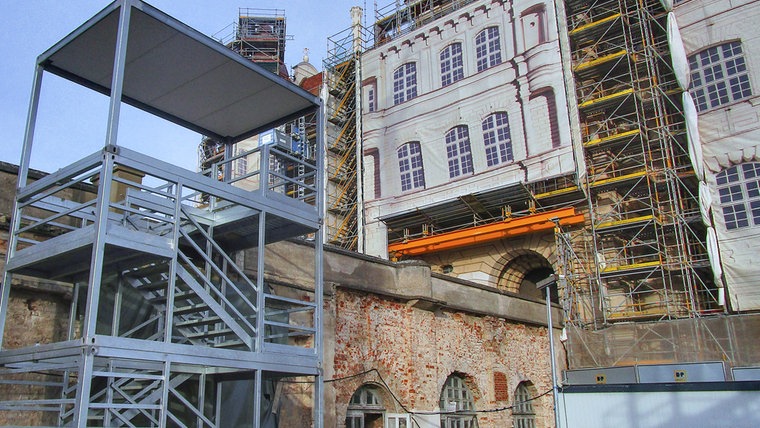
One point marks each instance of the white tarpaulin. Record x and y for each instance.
(692, 134)
(667, 4)
(714, 254)
(705, 202)
(678, 53)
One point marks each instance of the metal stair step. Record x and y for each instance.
(198, 322)
(210, 334)
(191, 309)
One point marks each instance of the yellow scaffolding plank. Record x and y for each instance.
(632, 266)
(610, 138)
(590, 25)
(556, 192)
(605, 98)
(614, 223)
(601, 60)
(619, 178)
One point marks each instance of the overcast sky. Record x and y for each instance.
(72, 119)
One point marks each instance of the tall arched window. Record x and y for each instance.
(739, 191)
(719, 76)
(365, 408)
(498, 142)
(404, 83)
(488, 48)
(457, 405)
(458, 151)
(523, 415)
(452, 66)
(410, 166)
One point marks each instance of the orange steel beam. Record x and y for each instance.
(489, 232)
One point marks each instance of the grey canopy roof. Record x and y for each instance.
(177, 73)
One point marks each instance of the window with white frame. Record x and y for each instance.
(498, 142)
(404, 83)
(488, 48)
(719, 76)
(365, 408)
(458, 151)
(452, 65)
(457, 405)
(371, 99)
(410, 166)
(523, 415)
(739, 191)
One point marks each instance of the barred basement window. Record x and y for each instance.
(457, 405)
(488, 48)
(404, 83)
(739, 190)
(719, 76)
(523, 415)
(458, 151)
(410, 166)
(452, 66)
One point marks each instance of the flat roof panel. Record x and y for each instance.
(178, 73)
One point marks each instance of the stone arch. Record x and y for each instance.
(521, 269)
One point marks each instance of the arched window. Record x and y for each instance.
(410, 166)
(498, 142)
(719, 76)
(458, 151)
(739, 190)
(404, 83)
(452, 66)
(523, 415)
(457, 405)
(488, 48)
(365, 408)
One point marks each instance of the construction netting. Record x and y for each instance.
(732, 339)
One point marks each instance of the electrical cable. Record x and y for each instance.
(413, 413)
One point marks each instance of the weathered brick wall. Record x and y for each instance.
(37, 313)
(415, 350)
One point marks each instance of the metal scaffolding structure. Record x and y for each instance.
(342, 71)
(260, 36)
(168, 327)
(642, 255)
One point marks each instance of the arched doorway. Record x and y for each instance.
(521, 273)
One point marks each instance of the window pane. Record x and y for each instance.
(498, 142)
(458, 151)
(452, 65)
(719, 76)
(410, 166)
(488, 48)
(404, 83)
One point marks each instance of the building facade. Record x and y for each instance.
(724, 61)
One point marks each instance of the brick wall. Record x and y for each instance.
(415, 350)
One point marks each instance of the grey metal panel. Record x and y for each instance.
(179, 74)
(683, 372)
(721, 408)
(746, 373)
(608, 375)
